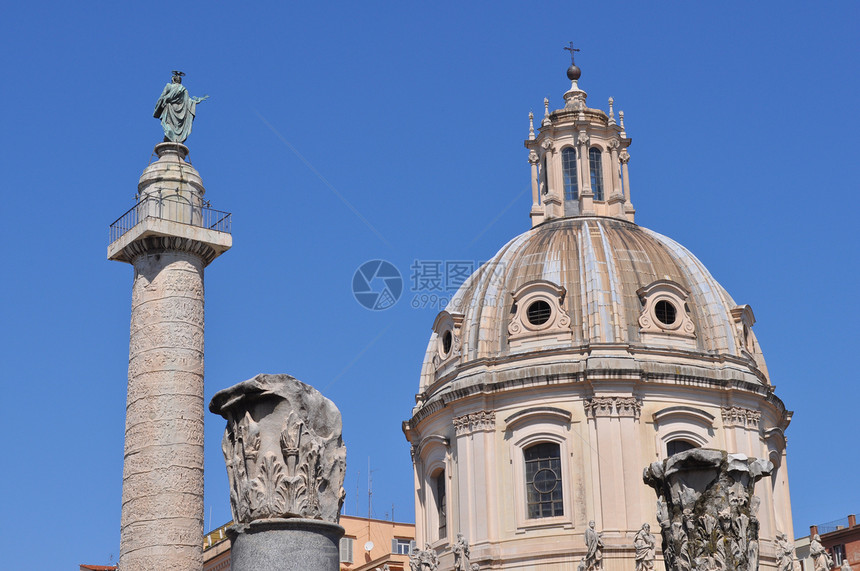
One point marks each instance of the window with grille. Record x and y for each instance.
(538, 312)
(543, 480)
(568, 169)
(665, 312)
(596, 166)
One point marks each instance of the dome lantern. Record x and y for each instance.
(579, 160)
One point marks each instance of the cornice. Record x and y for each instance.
(488, 382)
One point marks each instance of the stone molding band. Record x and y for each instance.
(160, 244)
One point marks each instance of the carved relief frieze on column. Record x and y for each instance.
(615, 407)
(476, 421)
(742, 417)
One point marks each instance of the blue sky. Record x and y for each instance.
(744, 126)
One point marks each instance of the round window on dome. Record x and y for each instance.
(447, 341)
(665, 312)
(538, 312)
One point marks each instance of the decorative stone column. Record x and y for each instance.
(164, 238)
(616, 198)
(624, 158)
(707, 510)
(536, 213)
(554, 204)
(285, 465)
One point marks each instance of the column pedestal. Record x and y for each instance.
(285, 545)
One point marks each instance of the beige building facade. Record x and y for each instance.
(585, 349)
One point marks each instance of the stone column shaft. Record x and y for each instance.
(625, 177)
(162, 493)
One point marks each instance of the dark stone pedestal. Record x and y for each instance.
(285, 545)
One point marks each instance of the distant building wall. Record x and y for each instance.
(841, 538)
(389, 543)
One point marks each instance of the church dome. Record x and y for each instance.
(587, 348)
(574, 287)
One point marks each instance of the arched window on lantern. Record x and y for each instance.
(596, 166)
(568, 169)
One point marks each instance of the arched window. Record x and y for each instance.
(596, 167)
(568, 169)
(543, 480)
(544, 178)
(675, 446)
(439, 497)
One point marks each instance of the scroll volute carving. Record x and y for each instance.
(283, 449)
(707, 510)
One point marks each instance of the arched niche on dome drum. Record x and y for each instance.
(538, 317)
(679, 425)
(540, 438)
(448, 345)
(664, 310)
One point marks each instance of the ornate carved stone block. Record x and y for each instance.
(613, 406)
(743, 417)
(283, 448)
(707, 510)
(482, 420)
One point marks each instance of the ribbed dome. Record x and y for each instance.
(603, 264)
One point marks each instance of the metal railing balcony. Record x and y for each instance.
(173, 209)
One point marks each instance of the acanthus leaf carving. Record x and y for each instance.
(290, 461)
(706, 509)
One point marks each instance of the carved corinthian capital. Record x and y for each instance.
(738, 416)
(481, 420)
(707, 510)
(283, 448)
(613, 406)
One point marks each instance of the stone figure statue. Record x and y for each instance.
(461, 554)
(176, 109)
(283, 449)
(845, 565)
(707, 510)
(820, 558)
(645, 545)
(784, 553)
(424, 560)
(593, 560)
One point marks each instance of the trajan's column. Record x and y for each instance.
(169, 237)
